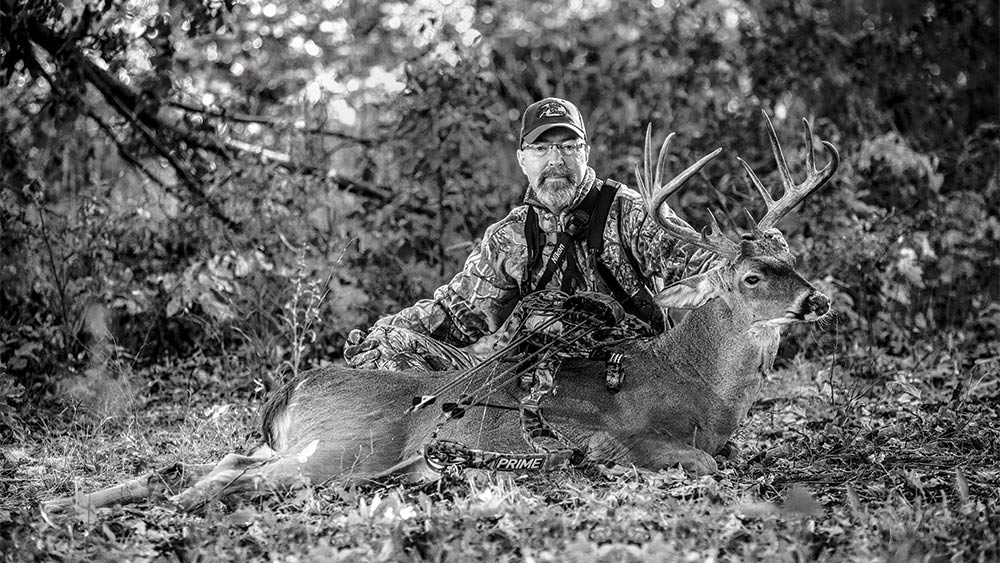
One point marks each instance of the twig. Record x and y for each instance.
(132, 107)
(190, 182)
(59, 280)
(289, 164)
(127, 104)
(275, 122)
(127, 154)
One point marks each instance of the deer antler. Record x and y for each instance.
(793, 193)
(654, 194)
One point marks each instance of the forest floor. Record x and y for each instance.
(889, 460)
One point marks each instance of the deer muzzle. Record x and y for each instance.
(811, 307)
(816, 305)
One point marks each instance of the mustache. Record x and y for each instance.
(557, 172)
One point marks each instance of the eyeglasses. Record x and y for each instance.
(566, 149)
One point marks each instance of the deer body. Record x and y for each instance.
(683, 397)
(687, 389)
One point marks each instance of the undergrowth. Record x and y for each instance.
(894, 462)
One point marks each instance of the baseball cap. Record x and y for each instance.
(548, 114)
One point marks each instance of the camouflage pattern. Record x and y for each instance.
(401, 349)
(482, 296)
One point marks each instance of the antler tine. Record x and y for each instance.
(650, 183)
(661, 163)
(810, 152)
(654, 176)
(690, 171)
(786, 177)
(753, 222)
(655, 194)
(647, 156)
(766, 195)
(793, 193)
(716, 229)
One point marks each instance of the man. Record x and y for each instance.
(566, 236)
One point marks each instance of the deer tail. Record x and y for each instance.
(274, 419)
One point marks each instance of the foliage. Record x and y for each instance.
(242, 183)
(898, 465)
(199, 132)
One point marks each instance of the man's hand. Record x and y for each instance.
(468, 320)
(595, 308)
(361, 352)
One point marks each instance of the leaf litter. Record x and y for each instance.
(893, 464)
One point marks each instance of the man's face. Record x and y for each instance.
(552, 175)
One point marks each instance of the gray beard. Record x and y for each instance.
(555, 193)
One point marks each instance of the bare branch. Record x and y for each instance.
(274, 122)
(289, 164)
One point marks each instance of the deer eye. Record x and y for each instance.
(751, 280)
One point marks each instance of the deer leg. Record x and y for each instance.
(651, 451)
(265, 470)
(661, 452)
(613, 471)
(691, 459)
(153, 485)
(411, 470)
(234, 474)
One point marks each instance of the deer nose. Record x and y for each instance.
(818, 303)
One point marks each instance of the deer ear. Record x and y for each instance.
(690, 293)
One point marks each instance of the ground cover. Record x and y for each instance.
(890, 460)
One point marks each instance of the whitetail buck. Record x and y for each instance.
(684, 394)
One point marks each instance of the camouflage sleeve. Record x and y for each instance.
(658, 253)
(479, 298)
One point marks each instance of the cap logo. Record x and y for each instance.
(551, 109)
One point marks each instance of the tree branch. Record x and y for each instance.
(127, 154)
(130, 106)
(144, 119)
(287, 163)
(274, 122)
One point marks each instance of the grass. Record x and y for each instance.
(887, 462)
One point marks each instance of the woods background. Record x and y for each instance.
(183, 180)
(199, 198)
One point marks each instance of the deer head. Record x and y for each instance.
(757, 274)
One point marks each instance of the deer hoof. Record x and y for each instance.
(692, 460)
(730, 451)
(65, 509)
(700, 463)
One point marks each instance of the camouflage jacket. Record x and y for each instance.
(489, 285)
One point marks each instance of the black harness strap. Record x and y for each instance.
(599, 217)
(532, 239)
(640, 303)
(596, 243)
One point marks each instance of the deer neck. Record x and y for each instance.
(717, 348)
